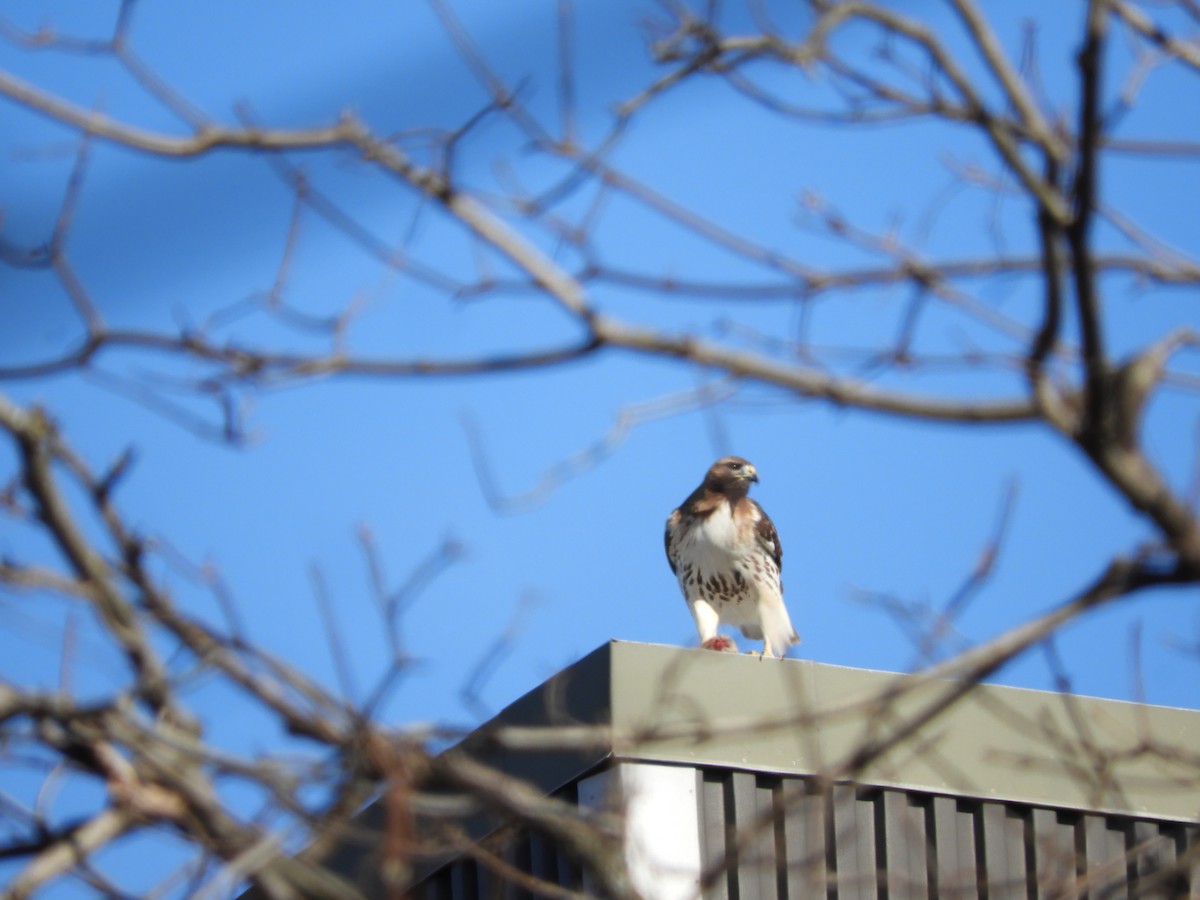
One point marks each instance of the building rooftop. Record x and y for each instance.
(741, 777)
(795, 717)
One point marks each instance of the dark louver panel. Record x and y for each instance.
(768, 837)
(776, 837)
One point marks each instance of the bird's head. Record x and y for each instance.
(731, 475)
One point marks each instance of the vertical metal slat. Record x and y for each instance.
(597, 792)
(954, 850)
(1054, 855)
(518, 857)
(437, 886)
(1192, 852)
(711, 793)
(1003, 852)
(1104, 851)
(1175, 880)
(463, 885)
(543, 861)
(765, 825)
(570, 874)
(854, 844)
(485, 883)
(762, 853)
(804, 840)
(1153, 851)
(754, 872)
(907, 867)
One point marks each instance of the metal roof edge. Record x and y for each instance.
(578, 696)
(1067, 751)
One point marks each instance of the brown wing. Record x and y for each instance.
(768, 537)
(673, 521)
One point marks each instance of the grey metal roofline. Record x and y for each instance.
(795, 717)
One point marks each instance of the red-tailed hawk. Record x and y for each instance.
(726, 553)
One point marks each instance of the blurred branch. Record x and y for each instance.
(1078, 232)
(808, 382)
(1186, 52)
(1120, 578)
(35, 437)
(69, 850)
(578, 464)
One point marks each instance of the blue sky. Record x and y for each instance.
(863, 503)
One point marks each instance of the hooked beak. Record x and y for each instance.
(750, 474)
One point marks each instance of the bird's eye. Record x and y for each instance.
(735, 466)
